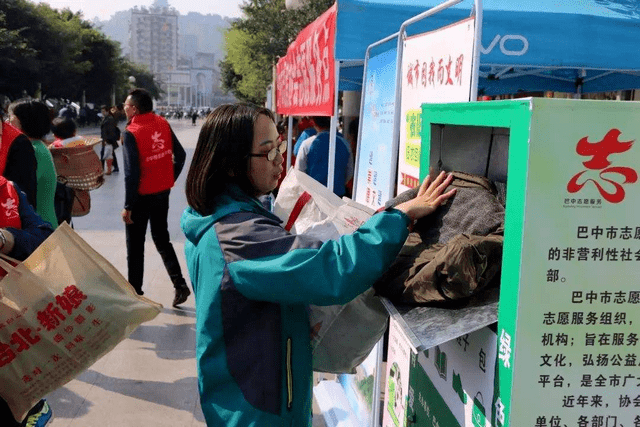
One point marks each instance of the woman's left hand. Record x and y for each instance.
(430, 196)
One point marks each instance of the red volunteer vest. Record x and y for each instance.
(155, 150)
(9, 134)
(9, 202)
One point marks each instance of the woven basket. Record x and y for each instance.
(79, 167)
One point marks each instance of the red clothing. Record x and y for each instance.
(9, 134)
(155, 148)
(304, 123)
(9, 203)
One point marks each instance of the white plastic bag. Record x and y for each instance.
(342, 336)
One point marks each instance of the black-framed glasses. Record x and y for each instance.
(271, 155)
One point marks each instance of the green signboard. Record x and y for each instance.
(567, 351)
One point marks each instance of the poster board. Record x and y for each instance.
(566, 339)
(374, 182)
(436, 67)
(453, 383)
(359, 388)
(396, 394)
(579, 285)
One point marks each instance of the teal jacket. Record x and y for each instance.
(253, 281)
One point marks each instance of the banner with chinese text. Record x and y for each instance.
(436, 67)
(373, 184)
(305, 81)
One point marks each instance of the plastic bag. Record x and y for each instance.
(61, 310)
(342, 336)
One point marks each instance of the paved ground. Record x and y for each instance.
(150, 378)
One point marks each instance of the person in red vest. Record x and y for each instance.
(21, 232)
(18, 159)
(153, 159)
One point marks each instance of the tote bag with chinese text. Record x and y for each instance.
(61, 310)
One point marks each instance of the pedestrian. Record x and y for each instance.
(313, 157)
(64, 132)
(110, 134)
(21, 232)
(194, 117)
(153, 159)
(253, 280)
(117, 111)
(34, 119)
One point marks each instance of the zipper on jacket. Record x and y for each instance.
(289, 376)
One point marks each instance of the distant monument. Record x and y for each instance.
(160, 3)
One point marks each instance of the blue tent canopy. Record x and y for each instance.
(565, 46)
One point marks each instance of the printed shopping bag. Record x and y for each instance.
(342, 336)
(60, 311)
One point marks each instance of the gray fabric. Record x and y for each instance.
(241, 236)
(474, 209)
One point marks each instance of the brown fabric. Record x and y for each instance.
(452, 254)
(462, 267)
(81, 203)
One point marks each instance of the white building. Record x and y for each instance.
(153, 38)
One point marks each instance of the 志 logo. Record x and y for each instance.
(158, 142)
(10, 208)
(615, 176)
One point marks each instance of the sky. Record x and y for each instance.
(103, 9)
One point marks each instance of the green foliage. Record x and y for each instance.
(366, 389)
(256, 41)
(58, 54)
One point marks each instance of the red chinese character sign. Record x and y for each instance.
(578, 292)
(436, 67)
(600, 163)
(305, 82)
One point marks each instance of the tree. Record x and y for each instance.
(242, 55)
(255, 42)
(60, 55)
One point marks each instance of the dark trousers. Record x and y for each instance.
(6, 417)
(152, 209)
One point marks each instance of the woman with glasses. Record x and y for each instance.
(253, 280)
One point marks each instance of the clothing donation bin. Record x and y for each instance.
(564, 350)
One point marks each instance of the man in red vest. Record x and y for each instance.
(153, 159)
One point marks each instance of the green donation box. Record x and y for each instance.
(565, 348)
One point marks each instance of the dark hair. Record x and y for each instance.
(221, 154)
(63, 127)
(323, 122)
(353, 127)
(142, 100)
(34, 116)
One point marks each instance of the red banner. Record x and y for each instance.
(305, 81)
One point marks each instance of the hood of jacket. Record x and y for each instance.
(232, 200)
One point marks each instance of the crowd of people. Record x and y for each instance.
(242, 263)
(153, 158)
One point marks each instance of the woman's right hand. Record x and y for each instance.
(430, 196)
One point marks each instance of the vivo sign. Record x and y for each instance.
(511, 45)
